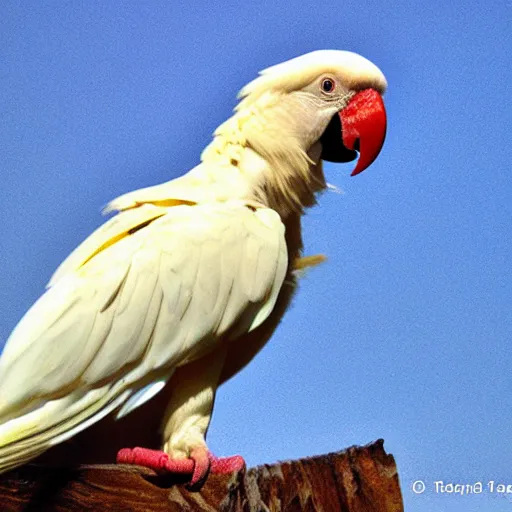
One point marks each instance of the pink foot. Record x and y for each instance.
(199, 465)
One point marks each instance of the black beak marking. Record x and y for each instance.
(333, 149)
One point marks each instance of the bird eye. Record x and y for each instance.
(328, 85)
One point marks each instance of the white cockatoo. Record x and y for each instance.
(184, 285)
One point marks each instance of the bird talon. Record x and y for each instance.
(202, 465)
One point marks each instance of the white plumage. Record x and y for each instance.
(183, 273)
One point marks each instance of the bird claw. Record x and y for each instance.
(200, 463)
(202, 467)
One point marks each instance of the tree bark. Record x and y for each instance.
(358, 479)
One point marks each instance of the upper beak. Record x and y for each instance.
(363, 125)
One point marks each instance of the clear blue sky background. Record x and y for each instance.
(406, 332)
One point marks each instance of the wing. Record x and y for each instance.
(131, 308)
(114, 230)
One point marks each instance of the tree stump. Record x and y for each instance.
(358, 479)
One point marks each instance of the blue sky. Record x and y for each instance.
(405, 333)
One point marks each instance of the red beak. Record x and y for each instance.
(363, 120)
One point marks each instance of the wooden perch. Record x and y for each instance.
(358, 479)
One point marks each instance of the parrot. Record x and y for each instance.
(185, 283)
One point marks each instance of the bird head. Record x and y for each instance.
(328, 96)
(325, 105)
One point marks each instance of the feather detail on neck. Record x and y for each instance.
(262, 141)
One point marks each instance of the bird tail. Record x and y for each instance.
(28, 436)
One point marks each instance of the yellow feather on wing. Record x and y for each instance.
(115, 229)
